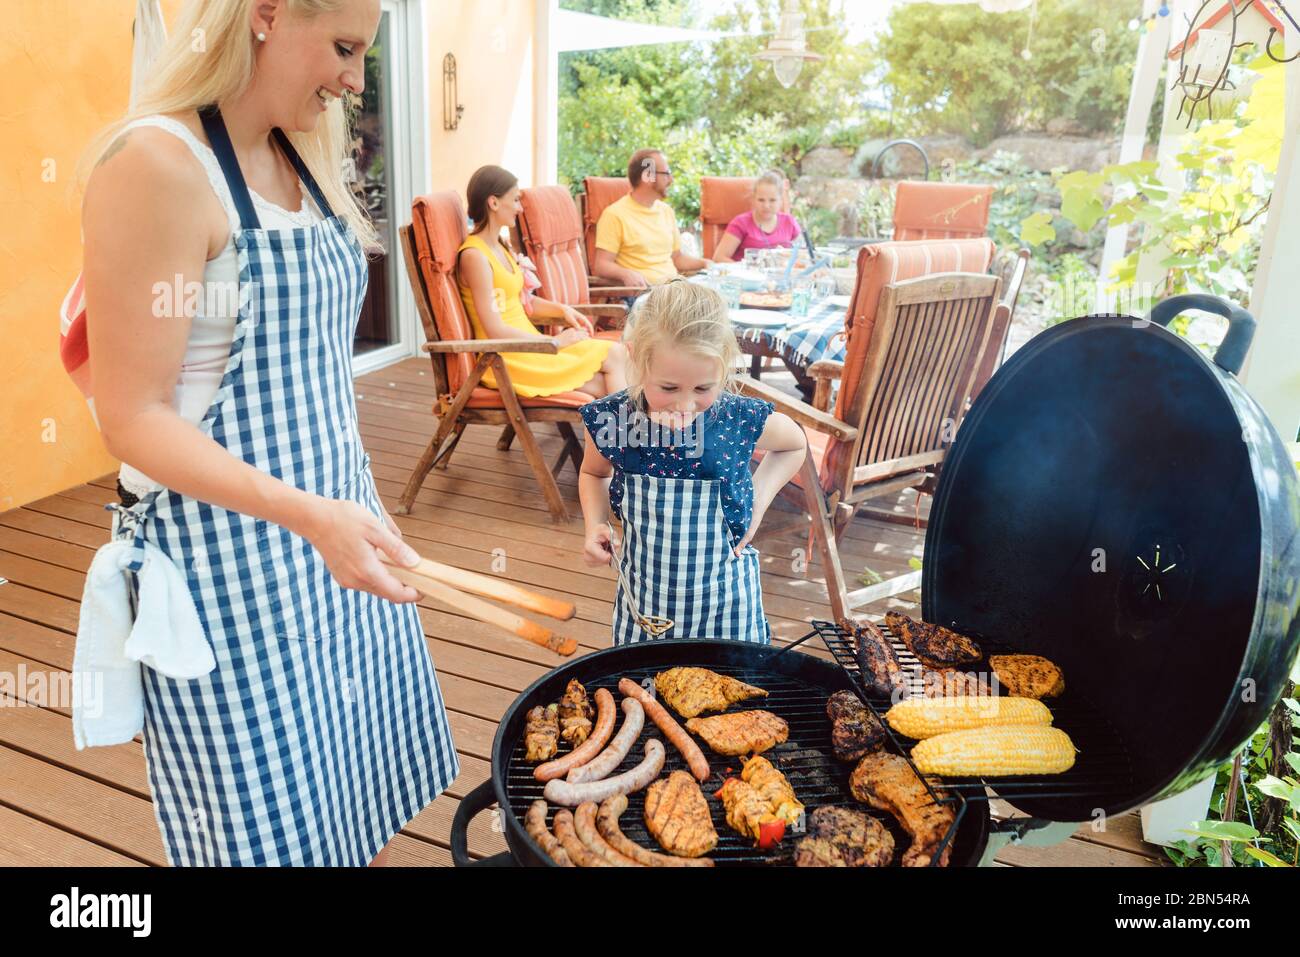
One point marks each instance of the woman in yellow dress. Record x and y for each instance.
(491, 280)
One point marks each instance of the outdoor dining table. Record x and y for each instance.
(798, 341)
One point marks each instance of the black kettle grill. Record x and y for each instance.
(1113, 501)
(1118, 503)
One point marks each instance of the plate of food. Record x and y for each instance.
(766, 300)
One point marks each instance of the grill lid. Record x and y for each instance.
(1117, 503)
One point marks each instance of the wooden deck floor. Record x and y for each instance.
(59, 806)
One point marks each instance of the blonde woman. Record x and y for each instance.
(321, 730)
(670, 457)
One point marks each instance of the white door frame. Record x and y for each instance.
(407, 73)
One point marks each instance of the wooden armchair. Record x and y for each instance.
(916, 342)
(925, 210)
(722, 199)
(430, 243)
(1002, 317)
(597, 193)
(550, 231)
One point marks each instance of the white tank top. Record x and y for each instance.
(208, 346)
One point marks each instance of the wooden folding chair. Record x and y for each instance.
(597, 193)
(550, 231)
(430, 243)
(917, 340)
(925, 210)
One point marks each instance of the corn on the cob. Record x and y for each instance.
(926, 717)
(996, 752)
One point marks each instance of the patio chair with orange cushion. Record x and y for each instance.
(722, 199)
(429, 244)
(919, 325)
(924, 210)
(550, 231)
(597, 193)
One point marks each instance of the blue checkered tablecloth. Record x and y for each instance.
(805, 340)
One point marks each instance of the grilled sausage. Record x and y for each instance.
(535, 824)
(571, 795)
(673, 731)
(609, 759)
(589, 748)
(607, 824)
(584, 822)
(574, 847)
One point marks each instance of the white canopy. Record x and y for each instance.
(585, 31)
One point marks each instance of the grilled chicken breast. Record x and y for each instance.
(934, 646)
(1028, 676)
(855, 731)
(740, 732)
(844, 837)
(576, 713)
(541, 733)
(761, 795)
(677, 814)
(877, 661)
(690, 691)
(888, 783)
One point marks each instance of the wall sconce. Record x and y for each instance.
(451, 108)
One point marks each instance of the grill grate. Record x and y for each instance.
(1102, 766)
(806, 759)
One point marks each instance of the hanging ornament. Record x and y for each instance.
(1204, 58)
(1133, 24)
(1151, 25)
(1164, 10)
(1025, 54)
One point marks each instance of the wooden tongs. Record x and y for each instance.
(448, 585)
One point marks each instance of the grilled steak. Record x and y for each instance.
(740, 732)
(934, 646)
(877, 661)
(854, 729)
(690, 691)
(954, 684)
(677, 814)
(576, 713)
(844, 837)
(541, 733)
(888, 783)
(1028, 676)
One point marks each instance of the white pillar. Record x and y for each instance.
(1172, 130)
(1153, 48)
(1272, 370)
(546, 95)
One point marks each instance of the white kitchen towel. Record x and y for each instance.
(166, 635)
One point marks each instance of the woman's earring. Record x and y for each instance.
(261, 37)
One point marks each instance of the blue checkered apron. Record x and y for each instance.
(321, 732)
(678, 556)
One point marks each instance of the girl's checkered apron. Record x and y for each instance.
(679, 558)
(321, 732)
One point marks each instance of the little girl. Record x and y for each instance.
(669, 455)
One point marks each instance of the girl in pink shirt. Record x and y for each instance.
(763, 227)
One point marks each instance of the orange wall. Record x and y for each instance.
(492, 41)
(67, 67)
(67, 70)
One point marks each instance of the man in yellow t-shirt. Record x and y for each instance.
(637, 241)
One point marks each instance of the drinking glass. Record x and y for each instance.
(730, 288)
(799, 298)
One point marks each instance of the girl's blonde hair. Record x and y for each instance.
(679, 315)
(209, 59)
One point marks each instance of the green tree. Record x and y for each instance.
(961, 70)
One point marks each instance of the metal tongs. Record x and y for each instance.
(652, 625)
